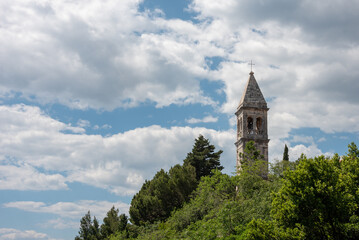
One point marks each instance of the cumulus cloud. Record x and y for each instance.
(305, 53)
(37, 148)
(105, 126)
(99, 55)
(303, 139)
(305, 60)
(322, 21)
(15, 234)
(206, 119)
(83, 123)
(105, 55)
(26, 177)
(60, 223)
(310, 149)
(72, 210)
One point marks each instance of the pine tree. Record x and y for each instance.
(95, 230)
(203, 157)
(285, 153)
(89, 230)
(111, 223)
(123, 222)
(85, 227)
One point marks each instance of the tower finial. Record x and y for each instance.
(251, 67)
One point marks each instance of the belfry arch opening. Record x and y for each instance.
(250, 124)
(259, 125)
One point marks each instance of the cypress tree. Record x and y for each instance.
(285, 153)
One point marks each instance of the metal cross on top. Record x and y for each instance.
(251, 65)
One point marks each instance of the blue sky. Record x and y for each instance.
(96, 96)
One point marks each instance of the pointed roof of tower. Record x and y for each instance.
(252, 95)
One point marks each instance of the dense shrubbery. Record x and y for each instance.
(314, 198)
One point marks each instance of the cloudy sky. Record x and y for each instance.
(96, 96)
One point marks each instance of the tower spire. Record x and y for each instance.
(252, 94)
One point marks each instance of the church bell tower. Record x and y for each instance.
(252, 124)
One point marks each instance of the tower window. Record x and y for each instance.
(259, 125)
(250, 123)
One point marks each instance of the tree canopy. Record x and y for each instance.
(312, 198)
(165, 192)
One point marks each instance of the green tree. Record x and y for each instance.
(123, 222)
(211, 192)
(259, 229)
(182, 182)
(161, 195)
(285, 153)
(314, 196)
(350, 168)
(353, 150)
(147, 205)
(111, 223)
(203, 158)
(95, 229)
(89, 230)
(252, 162)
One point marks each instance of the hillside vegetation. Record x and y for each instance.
(311, 198)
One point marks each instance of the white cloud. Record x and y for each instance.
(308, 79)
(26, 177)
(119, 57)
(276, 149)
(83, 123)
(70, 210)
(15, 234)
(33, 145)
(80, 56)
(35, 148)
(303, 139)
(60, 223)
(206, 119)
(321, 19)
(310, 151)
(105, 126)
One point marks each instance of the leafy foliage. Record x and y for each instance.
(259, 229)
(165, 192)
(315, 198)
(252, 162)
(168, 191)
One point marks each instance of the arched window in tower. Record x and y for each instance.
(259, 124)
(239, 124)
(250, 125)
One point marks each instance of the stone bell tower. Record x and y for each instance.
(252, 124)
